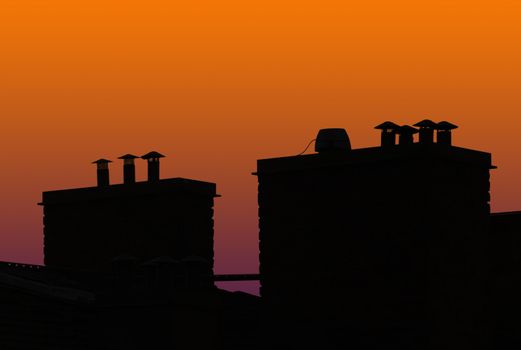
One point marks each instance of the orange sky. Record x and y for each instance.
(215, 85)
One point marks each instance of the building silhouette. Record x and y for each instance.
(160, 304)
(388, 247)
(505, 279)
(127, 266)
(85, 228)
(389, 242)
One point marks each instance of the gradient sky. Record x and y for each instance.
(215, 85)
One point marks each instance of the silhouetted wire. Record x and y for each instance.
(305, 149)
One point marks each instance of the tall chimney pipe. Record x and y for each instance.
(406, 133)
(445, 133)
(129, 168)
(426, 131)
(102, 172)
(389, 130)
(152, 159)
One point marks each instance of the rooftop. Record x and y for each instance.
(144, 188)
(394, 154)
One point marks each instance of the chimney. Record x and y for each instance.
(152, 159)
(426, 131)
(445, 133)
(406, 134)
(389, 130)
(333, 139)
(102, 171)
(129, 168)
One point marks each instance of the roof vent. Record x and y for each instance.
(406, 133)
(102, 171)
(445, 133)
(129, 168)
(152, 159)
(389, 131)
(427, 128)
(331, 140)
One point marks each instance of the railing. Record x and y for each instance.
(217, 278)
(21, 266)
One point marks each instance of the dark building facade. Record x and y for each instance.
(389, 242)
(505, 279)
(86, 228)
(159, 304)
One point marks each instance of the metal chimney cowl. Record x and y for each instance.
(102, 172)
(389, 132)
(152, 159)
(129, 168)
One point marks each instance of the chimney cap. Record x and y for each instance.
(427, 123)
(406, 129)
(102, 161)
(128, 156)
(444, 125)
(152, 155)
(387, 125)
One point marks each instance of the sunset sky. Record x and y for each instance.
(216, 85)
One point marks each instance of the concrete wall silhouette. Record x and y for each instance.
(86, 228)
(388, 242)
